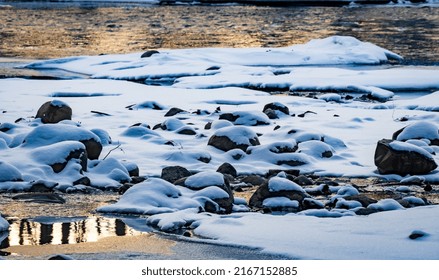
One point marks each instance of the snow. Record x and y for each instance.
(239, 135)
(277, 202)
(383, 235)
(204, 179)
(4, 225)
(349, 129)
(419, 130)
(56, 153)
(277, 184)
(386, 205)
(403, 146)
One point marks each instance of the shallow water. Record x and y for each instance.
(49, 30)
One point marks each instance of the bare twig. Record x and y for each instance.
(109, 152)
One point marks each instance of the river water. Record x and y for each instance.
(41, 29)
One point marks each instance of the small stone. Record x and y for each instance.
(416, 234)
(303, 180)
(174, 111)
(149, 53)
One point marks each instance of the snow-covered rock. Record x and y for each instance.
(396, 157)
(419, 130)
(246, 118)
(236, 137)
(281, 189)
(9, 173)
(48, 134)
(54, 111)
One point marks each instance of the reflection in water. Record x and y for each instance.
(59, 32)
(40, 231)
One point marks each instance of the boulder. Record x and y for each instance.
(277, 187)
(229, 138)
(227, 168)
(174, 173)
(248, 118)
(396, 157)
(206, 184)
(58, 155)
(418, 130)
(272, 109)
(48, 134)
(54, 111)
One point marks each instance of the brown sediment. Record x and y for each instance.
(146, 243)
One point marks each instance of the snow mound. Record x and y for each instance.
(4, 225)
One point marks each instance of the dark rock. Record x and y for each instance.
(137, 179)
(229, 117)
(60, 257)
(204, 159)
(364, 200)
(208, 126)
(82, 181)
(254, 180)
(302, 180)
(124, 188)
(401, 162)
(271, 114)
(307, 112)
(274, 172)
(291, 162)
(93, 147)
(212, 68)
(225, 143)
(149, 53)
(40, 198)
(42, 186)
(416, 234)
(309, 203)
(186, 131)
(366, 211)
(174, 111)
(276, 106)
(428, 188)
(54, 112)
(174, 173)
(227, 168)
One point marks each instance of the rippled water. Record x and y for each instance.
(57, 31)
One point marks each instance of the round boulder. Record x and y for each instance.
(54, 111)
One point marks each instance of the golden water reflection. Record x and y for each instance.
(43, 33)
(55, 231)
